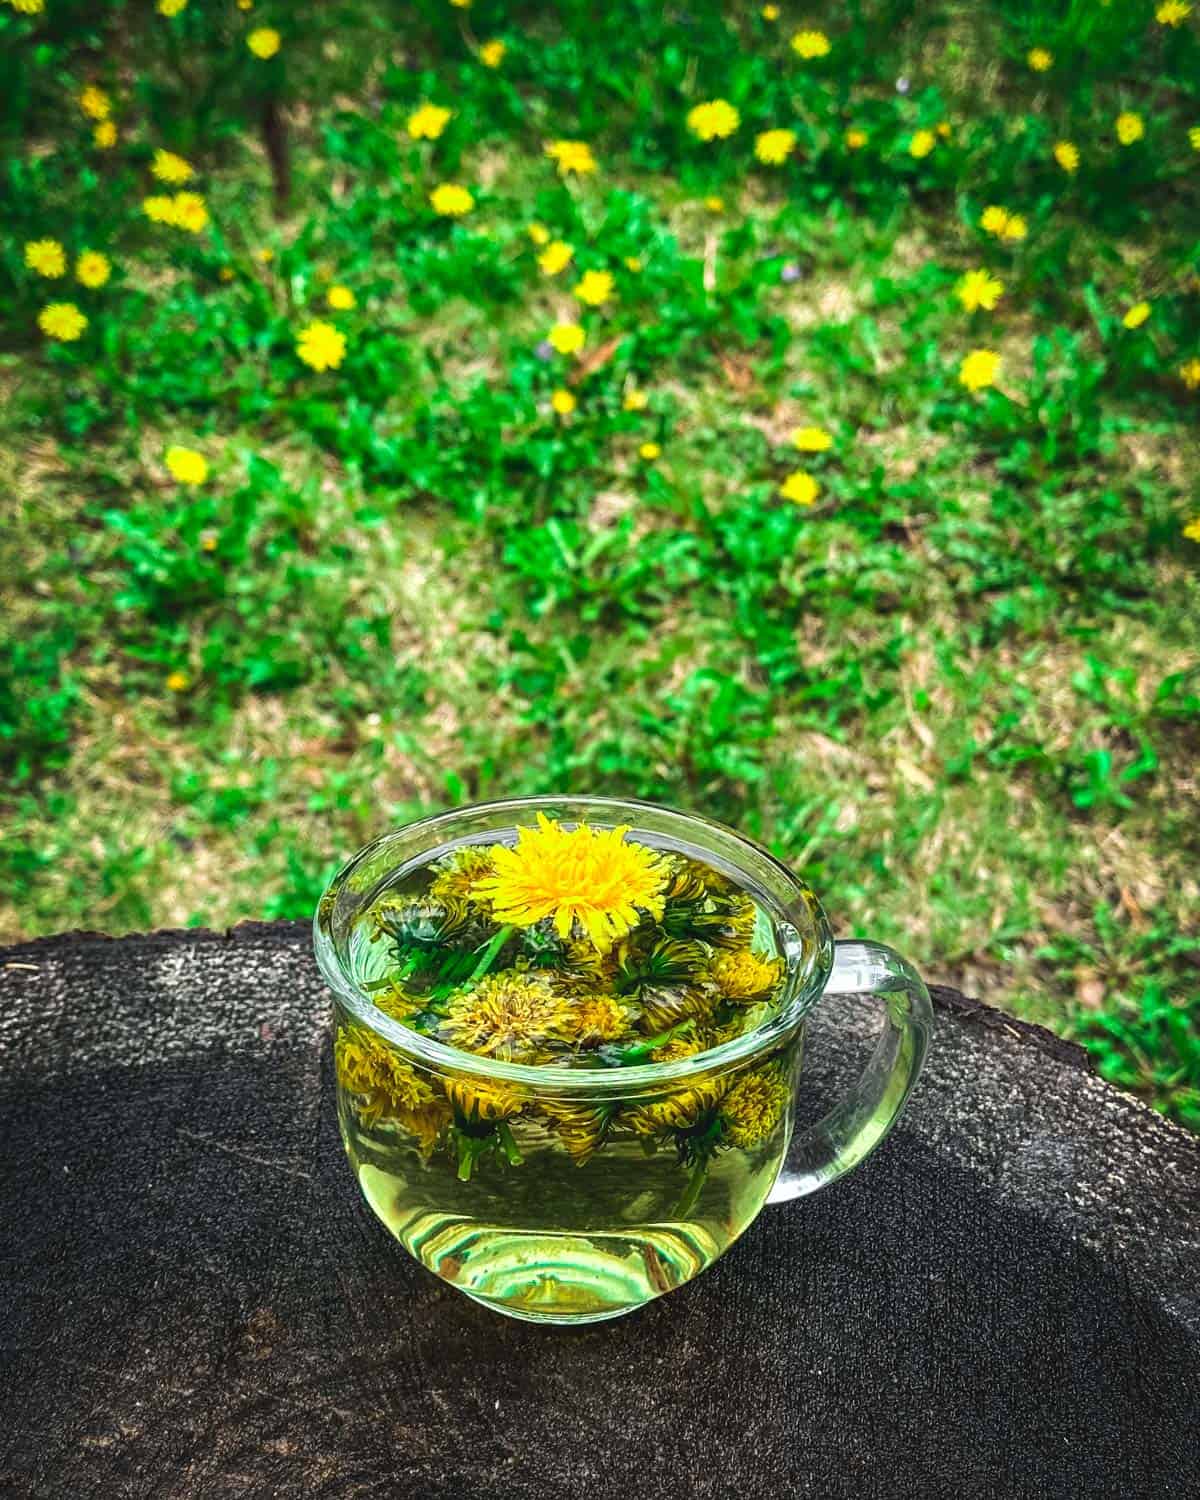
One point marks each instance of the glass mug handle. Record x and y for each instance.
(855, 1125)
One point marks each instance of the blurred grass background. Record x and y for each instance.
(960, 693)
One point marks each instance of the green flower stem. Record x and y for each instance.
(488, 957)
(640, 1051)
(695, 1185)
(508, 1145)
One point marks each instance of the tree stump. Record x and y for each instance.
(1003, 1302)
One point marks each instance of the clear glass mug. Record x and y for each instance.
(545, 1192)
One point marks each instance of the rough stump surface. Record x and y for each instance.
(1003, 1302)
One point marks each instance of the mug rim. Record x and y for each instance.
(804, 981)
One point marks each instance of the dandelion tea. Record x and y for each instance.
(580, 948)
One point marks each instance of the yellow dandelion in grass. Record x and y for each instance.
(563, 402)
(715, 119)
(168, 167)
(264, 42)
(95, 103)
(1016, 228)
(186, 466)
(754, 1106)
(594, 288)
(28, 7)
(461, 4)
(1039, 59)
(177, 682)
(62, 321)
(979, 369)
(634, 263)
(190, 212)
(922, 143)
(770, 12)
(513, 1016)
(46, 257)
(1066, 154)
(555, 257)
(321, 346)
(159, 208)
(538, 233)
(589, 876)
(1129, 128)
(105, 135)
(1172, 13)
(855, 139)
(171, 7)
(1189, 373)
(1194, 137)
(92, 269)
(649, 452)
(773, 147)
(943, 130)
(800, 488)
(571, 156)
(742, 975)
(1192, 530)
(635, 400)
(264, 255)
(979, 289)
(491, 54)
(428, 122)
(340, 298)
(1136, 315)
(715, 203)
(810, 44)
(245, 4)
(451, 200)
(567, 338)
(994, 219)
(812, 440)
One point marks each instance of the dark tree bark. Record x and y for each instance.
(1003, 1302)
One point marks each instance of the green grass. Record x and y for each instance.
(960, 693)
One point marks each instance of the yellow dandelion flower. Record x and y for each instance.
(594, 288)
(1066, 154)
(321, 346)
(922, 143)
(63, 321)
(461, 4)
(812, 440)
(754, 1106)
(635, 400)
(770, 12)
(264, 255)
(1129, 128)
(979, 289)
(171, 7)
(634, 263)
(92, 269)
(177, 682)
(513, 1016)
(340, 298)
(571, 156)
(1040, 60)
(189, 212)
(159, 208)
(855, 139)
(264, 42)
(451, 200)
(168, 167)
(95, 103)
(1189, 373)
(810, 44)
(28, 7)
(478, 1099)
(993, 220)
(742, 975)
(186, 466)
(567, 338)
(1015, 228)
(713, 120)
(539, 234)
(979, 369)
(773, 147)
(428, 122)
(555, 257)
(585, 875)
(46, 257)
(563, 402)
(650, 451)
(1194, 137)
(458, 878)
(600, 1018)
(385, 1085)
(491, 54)
(800, 487)
(943, 130)
(105, 135)
(715, 203)
(1136, 315)
(1172, 13)
(1192, 530)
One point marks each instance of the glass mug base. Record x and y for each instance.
(573, 1194)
